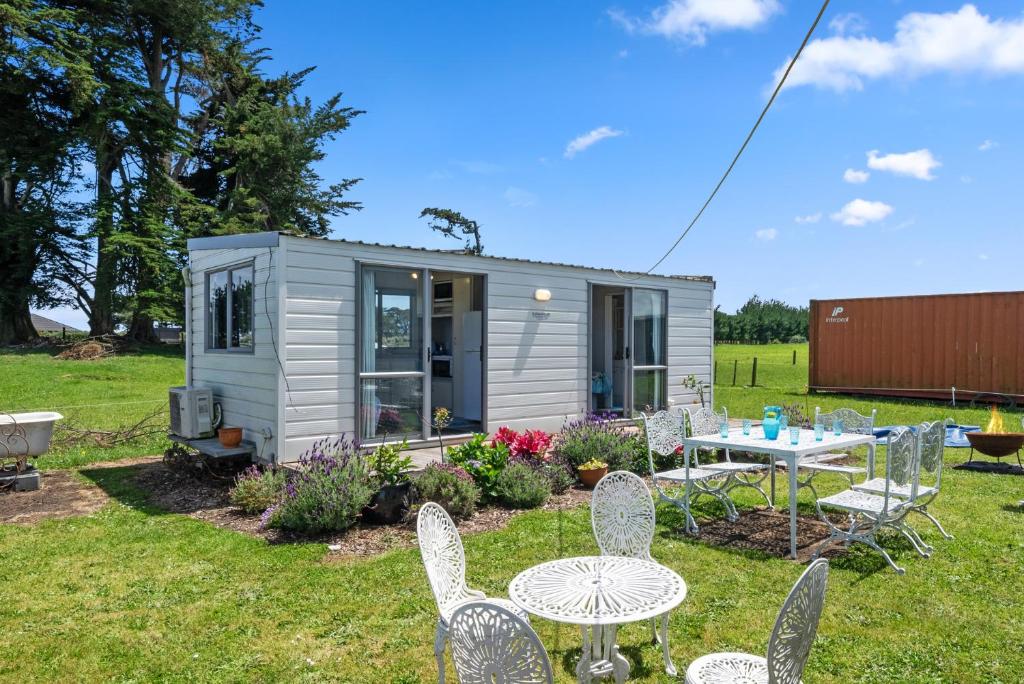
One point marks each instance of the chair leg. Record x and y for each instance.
(670, 667)
(440, 637)
(911, 536)
(925, 513)
(870, 541)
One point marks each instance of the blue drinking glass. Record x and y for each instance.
(819, 432)
(837, 427)
(723, 429)
(783, 421)
(746, 426)
(794, 435)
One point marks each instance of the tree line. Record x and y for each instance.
(130, 126)
(762, 321)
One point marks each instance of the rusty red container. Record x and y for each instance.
(919, 346)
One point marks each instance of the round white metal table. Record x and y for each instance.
(599, 593)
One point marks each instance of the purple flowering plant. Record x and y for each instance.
(331, 487)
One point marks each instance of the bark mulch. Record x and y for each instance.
(63, 495)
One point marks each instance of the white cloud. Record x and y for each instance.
(856, 176)
(966, 180)
(983, 256)
(582, 142)
(860, 212)
(623, 54)
(918, 164)
(766, 234)
(964, 41)
(845, 24)
(810, 218)
(693, 20)
(987, 145)
(518, 197)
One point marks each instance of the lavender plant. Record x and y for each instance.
(598, 436)
(450, 486)
(257, 490)
(331, 487)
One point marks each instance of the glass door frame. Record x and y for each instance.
(631, 357)
(628, 400)
(426, 293)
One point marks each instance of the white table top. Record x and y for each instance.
(597, 590)
(757, 443)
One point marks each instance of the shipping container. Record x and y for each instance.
(920, 346)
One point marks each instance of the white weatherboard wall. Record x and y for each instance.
(537, 354)
(537, 366)
(244, 384)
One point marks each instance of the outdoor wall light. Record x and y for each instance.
(542, 295)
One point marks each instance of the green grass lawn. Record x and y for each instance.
(133, 594)
(105, 394)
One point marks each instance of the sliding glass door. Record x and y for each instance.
(650, 356)
(392, 378)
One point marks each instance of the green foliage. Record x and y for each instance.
(560, 476)
(483, 460)
(327, 494)
(449, 486)
(521, 486)
(389, 466)
(600, 438)
(257, 490)
(762, 321)
(449, 222)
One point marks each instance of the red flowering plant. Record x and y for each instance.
(532, 444)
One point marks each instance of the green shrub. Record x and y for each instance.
(388, 464)
(560, 475)
(449, 486)
(482, 460)
(257, 490)
(330, 489)
(600, 437)
(521, 486)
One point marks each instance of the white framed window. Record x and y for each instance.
(230, 308)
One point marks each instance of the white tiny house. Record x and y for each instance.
(302, 339)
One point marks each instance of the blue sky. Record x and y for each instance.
(474, 106)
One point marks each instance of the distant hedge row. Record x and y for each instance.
(762, 321)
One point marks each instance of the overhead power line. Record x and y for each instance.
(746, 142)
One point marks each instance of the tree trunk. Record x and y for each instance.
(101, 317)
(16, 322)
(141, 329)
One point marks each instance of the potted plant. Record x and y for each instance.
(229, 437)
(591, 472)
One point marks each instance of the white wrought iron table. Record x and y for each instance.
(781, 449)
(599, 593)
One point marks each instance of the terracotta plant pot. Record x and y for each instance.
(229, 437)
(590, 478)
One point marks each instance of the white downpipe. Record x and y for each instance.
(186, 273)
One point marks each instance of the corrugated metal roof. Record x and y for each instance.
(698, 278)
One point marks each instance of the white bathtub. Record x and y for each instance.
(38, 428)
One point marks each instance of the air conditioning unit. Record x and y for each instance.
(191, 412)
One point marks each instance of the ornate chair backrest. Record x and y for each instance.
(493, 645)
(622, 514)
(794, 631)
(853, 422)
(902, 465)
(664, 435)
(704, 421)
(931, 442)
(443, 555)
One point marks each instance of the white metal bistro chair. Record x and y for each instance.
(853, 423)
(704, 421)
(869, 513)
(623, 518)
(665, 438)
(445, 562)
(788, 647)
(931, 441)
(493, 645)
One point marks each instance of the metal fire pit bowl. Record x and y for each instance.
(996, 444)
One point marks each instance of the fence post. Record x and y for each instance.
(735, 367)
(714, 378)
(794, 357)
(753, 374)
